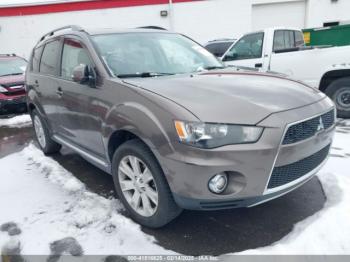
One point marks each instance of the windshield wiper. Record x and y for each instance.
(214, 67)
(13, 74)
(144, 74)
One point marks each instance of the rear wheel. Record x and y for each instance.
(47, 145)
(141, 185)
(339, 91)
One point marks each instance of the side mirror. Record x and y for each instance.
(85, 75)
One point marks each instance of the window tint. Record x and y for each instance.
(248, 47)
(218, 49)
(48, 61)
(73, 55)
(285, 39)
(36, 58)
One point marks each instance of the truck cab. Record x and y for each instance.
(254, 49)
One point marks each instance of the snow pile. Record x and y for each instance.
(49, 204)
(328, 231)
(17, 121)
(47, 209)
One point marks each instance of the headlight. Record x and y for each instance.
(3, 89)
(207, 135)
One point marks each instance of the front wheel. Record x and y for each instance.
(141, 185)
(339, 92)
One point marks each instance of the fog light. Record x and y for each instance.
(218, 183)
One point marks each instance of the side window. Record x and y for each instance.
(285, 39)
(48, 63)
(74, 54)
(218, 49)
(36, 59)
(299, 38)
(248, 47)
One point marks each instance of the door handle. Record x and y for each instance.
(59, 92)
(258, 65)
(36, 83)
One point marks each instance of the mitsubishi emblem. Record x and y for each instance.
(320, 126)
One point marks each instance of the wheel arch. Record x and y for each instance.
(331, 76)
(135, 121)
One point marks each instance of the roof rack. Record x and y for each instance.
(152, 27)
(51, 33)
(8, 54)
(223, 39)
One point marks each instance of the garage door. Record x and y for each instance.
(290, 14)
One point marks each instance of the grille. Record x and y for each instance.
(308, 128)
(286, 174)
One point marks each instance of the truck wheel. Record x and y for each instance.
(47, 145)
(141, 185)
(339, 92)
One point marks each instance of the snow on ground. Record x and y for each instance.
(17, 121)
(327, 231)
(49, 204)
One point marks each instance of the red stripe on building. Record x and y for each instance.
(79, 6)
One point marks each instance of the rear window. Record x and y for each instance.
(48, 63)
(286, 39)
(218, 49)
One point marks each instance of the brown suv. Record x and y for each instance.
(173, 126)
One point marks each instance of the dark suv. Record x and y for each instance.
(12, 93)
(173, 126)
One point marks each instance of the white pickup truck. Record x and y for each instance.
(282, 50)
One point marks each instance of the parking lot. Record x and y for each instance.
(65, 189)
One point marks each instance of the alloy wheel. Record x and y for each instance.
(39, 131)
(138, 186)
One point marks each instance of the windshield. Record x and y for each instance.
(153, 54)
(10, 66)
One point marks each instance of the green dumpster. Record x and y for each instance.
(332, 35)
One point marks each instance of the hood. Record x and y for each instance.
(14, 84)
(231, 97)
(9, 80)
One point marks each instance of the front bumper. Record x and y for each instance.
(11, 105)
(250, 166)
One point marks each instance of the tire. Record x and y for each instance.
(42, 135)
(339, 92)
(150, 214)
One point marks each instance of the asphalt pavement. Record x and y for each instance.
(193, 232)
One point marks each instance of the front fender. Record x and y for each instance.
(156, 131)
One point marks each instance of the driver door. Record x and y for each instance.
(247, 52)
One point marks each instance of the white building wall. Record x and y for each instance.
(213, 19)
(202, 21)
(321, 11)
(285, 14)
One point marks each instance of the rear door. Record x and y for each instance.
(80, 121)
(45, 81)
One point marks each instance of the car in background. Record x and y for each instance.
(219, 47)
(12, 92)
